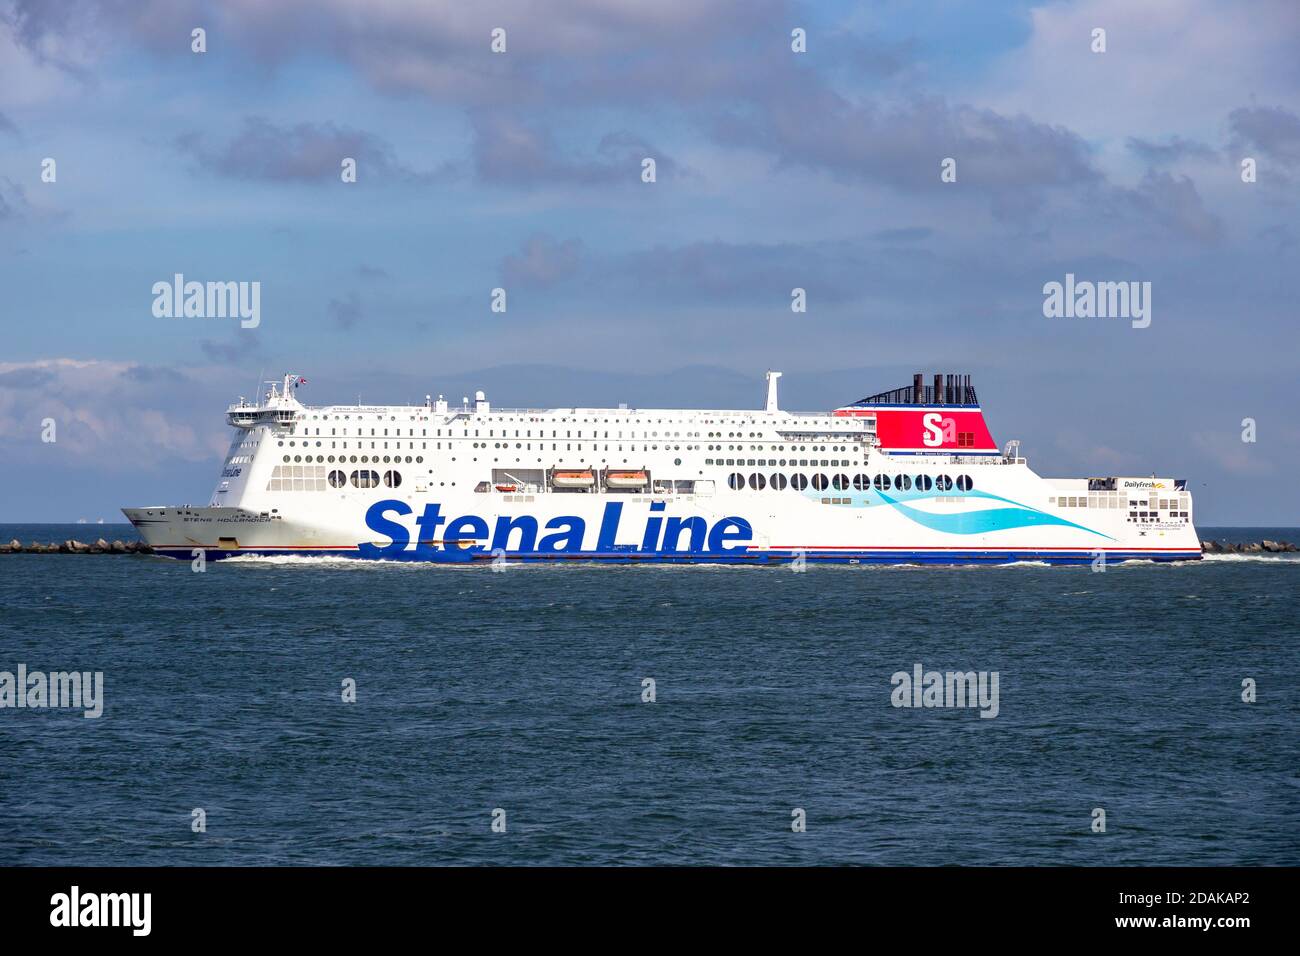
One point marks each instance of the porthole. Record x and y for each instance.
(736, 481)
(862, 482)
(757, 482)
(798, 482)
(778, 482)
(392, 479)
(963, 483)
(924, 483)
(882, 482)
(364, 478)
(840, 482)
(943, 483)
(820, 482)
(338, 479)
(902, 483)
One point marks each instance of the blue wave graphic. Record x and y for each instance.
(981, 522)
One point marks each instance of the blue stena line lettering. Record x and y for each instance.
(561, 535)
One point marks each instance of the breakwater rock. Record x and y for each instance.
(72, 546)
(1247, 547)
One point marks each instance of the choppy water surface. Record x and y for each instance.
(522, 690)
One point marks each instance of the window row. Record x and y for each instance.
(316, 478)
(364, 478)
(841, 482)
(774, 462)
(364, 459)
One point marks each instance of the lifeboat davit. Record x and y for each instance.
(626, 479)
(573, 479)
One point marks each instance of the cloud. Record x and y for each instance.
(904, 234)
(29, 377)
(715, 271)
(1170, 66)
(903, 145)
(435, 48)
(108, 412)
(542, 261)
(371, 272)
(303, 152)
(13, 200)
(155, 375)
(346, 312)
(1271, 131)
(1279, 236)
(510, 152)
(1172, 150)
(238, 348)
(1173, 203)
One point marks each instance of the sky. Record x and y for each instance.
(774, 169)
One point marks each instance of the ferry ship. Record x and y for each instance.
(906, 476)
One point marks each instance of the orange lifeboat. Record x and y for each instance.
(573, 479)
(626, 479)
(506, 488)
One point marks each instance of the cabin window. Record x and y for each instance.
(364, 478)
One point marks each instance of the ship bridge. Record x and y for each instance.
(279, 406)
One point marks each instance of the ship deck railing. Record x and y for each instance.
(986, 460)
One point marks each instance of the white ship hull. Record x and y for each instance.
(734, 487)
